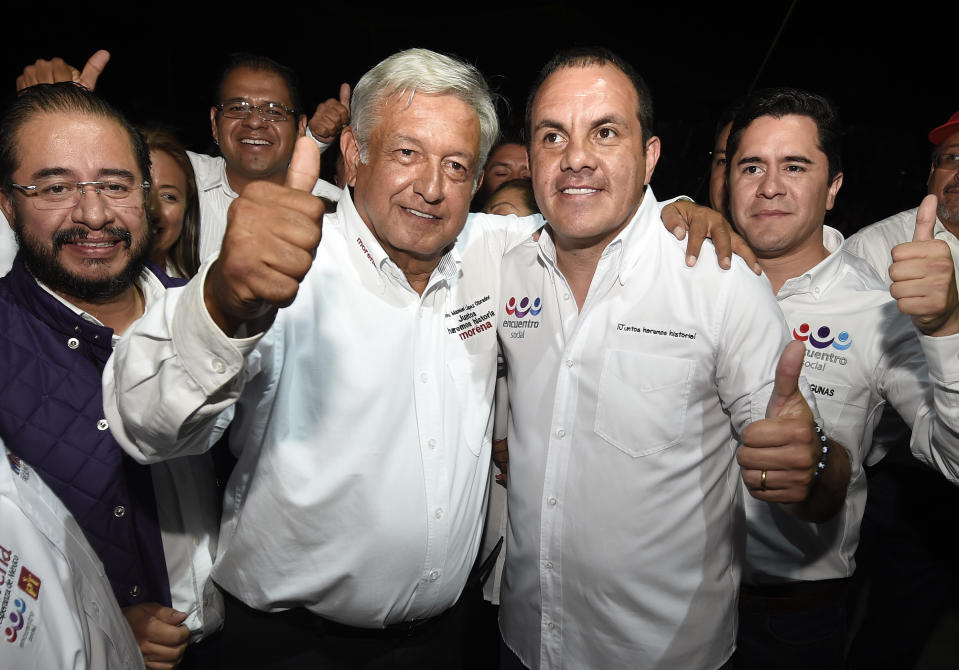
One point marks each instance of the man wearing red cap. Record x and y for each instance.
(909, 561)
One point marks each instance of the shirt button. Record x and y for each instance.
(566, 296)
(119, 511)
(134, 591)
(434, 575)
(73, 343)
(438, 513)
(561, 433)
(549, 565)
(423, 377)
(431, 444)
(551, 501)
(102, 424)
(95, 608)
(550, 625)
(218, 365)
(569, 363)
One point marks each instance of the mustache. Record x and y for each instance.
(62, 237)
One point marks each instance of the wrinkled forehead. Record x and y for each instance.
(74, 143)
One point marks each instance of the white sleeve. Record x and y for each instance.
(171, 375)
(323, 146)
(919, 377)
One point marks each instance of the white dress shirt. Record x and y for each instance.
(363, 422)
(861, 352)
(187, 511)
(875, 242)
(57, 610)
(8, 246)
(215, 195)
(625, 519)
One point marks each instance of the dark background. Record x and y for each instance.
(893, 74)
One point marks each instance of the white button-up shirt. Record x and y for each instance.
(56, 606)
(362, 425)
(861, 352)
(215, 195)
(624, 492)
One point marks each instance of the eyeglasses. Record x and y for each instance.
(947, 162)
(59, 194)
(268, 111)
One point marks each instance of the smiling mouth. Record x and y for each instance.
(422, 215)
(255, 142)
(579, 191)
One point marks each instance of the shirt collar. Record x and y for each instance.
(818, 278)
(151, 288)
(366, 250)
(215, 178)
(627, 247)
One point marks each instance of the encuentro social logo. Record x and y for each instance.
(823, 337)
(523, 308)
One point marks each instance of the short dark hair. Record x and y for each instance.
(523, 185)
(258, 62)
(587, 57)
(779, 102)
(57, 98)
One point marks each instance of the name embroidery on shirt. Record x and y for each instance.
(15, 612)
(366, 251)
(466, 320)
(661, 332)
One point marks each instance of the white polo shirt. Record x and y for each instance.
(215, 196)
(363, 423)
(624, 492)
(861, 352)
(874, 243)
(56, 606)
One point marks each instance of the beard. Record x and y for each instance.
(43, 263)
(948, 208)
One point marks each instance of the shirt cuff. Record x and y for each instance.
(942, 357)
(322, 145)
(211, 357)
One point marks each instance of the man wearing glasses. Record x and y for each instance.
(255, 122)
(73, 178)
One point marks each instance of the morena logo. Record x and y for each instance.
(823, 337)
(524, 307)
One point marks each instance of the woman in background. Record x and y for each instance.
(174, 206)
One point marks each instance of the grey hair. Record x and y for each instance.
(421, 70)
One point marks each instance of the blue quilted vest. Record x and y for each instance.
(51, 415)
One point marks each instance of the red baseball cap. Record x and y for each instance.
(939, 135)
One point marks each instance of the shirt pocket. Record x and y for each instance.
(642, 401)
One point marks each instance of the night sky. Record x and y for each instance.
(893, 75)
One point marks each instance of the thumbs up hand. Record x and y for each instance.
(924, 278)
(779, 454)
(56, 70)
(330, 116)
(271, 238)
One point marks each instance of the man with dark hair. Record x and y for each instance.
(255, 120)
(717, 160)
(73, 181)
(507, 161)
(631, 381)
(784, 173)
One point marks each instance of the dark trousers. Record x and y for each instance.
(907, 563)
(299, 639)
(795, 626)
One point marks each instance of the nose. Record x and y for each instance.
(578, 155)
(255, 120)
(771, 185)
(429, 182)
(92, 209)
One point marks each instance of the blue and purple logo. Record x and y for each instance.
(823, 337)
